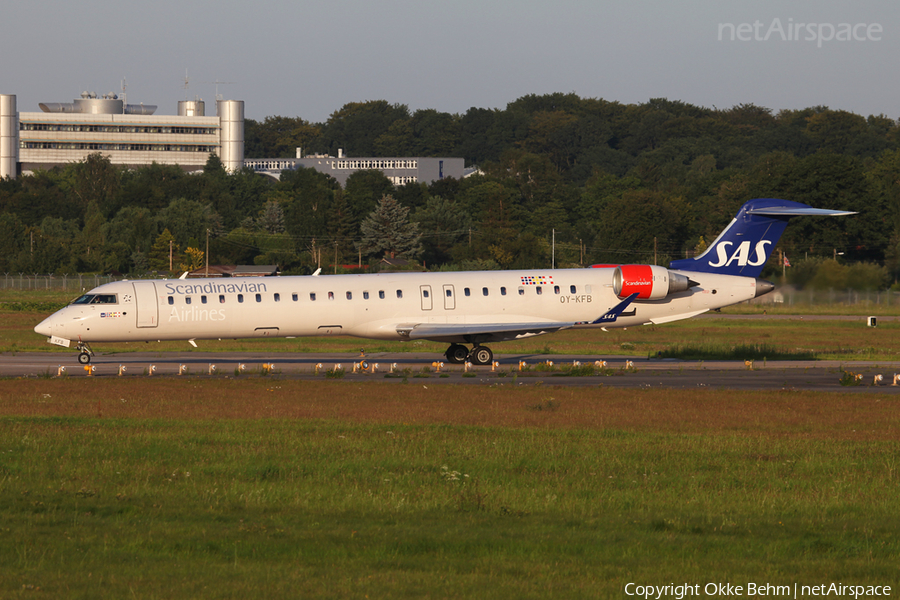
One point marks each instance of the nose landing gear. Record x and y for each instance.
(86, 353)
(457, 354)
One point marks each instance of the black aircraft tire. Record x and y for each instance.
(457, 354)
(481, 355)
(84, 358)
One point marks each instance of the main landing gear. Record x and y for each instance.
(457, 354)
(86, 353)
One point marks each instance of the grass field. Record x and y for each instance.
(272, 488)
(267, 488)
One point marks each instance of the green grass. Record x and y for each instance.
(100, 508)
(736, 352)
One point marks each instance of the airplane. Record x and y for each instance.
(466, 310)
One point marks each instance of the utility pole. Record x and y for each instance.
(553, 259)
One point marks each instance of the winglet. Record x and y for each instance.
(612, 314)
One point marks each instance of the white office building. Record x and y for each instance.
(130, 135)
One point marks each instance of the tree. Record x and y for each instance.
(443, 224)
(94, 179)
(388, 231)
(163, 252)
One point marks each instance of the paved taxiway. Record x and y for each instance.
(647, 373)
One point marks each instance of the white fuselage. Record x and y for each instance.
(380, 306)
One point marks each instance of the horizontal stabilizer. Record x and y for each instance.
(788, 211)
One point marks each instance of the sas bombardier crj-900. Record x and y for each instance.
(464, 309)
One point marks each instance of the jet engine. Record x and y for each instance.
(651, 282)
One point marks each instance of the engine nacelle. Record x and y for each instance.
(651, 282)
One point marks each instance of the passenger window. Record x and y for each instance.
(381, 294)
(521, 291)
(484, 292)
(503, 291)
(331, 295)
(587, 289)
(277, 297)
(202, 299)
(349, 295)
(312, 296)
(449, 293)
(467, 292)
(221, 299)
(171, 300)
(539, 290)
(259, 297)
(399, 293)
(365, 295)
(555, 289)
(294, 297)
(571, 289)
(425, 293)
(240, 298)
(187, 299)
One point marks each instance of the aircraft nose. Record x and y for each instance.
(44, 327)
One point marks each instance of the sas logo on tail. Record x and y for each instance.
(741, 254)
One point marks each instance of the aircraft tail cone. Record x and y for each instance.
(763, 287)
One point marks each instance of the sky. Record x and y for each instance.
(296, 58)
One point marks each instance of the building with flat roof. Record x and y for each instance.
(400, 170)
(130, 135)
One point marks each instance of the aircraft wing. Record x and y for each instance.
(477, 332)
(498, 332)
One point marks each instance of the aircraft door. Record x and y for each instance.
(425, 294)
(145, 303)
(449, 297)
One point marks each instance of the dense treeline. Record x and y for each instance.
(611, 182)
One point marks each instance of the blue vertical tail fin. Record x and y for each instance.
(746, 244)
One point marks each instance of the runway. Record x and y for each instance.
(820, 376)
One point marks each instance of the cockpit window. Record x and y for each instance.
(96, 299)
